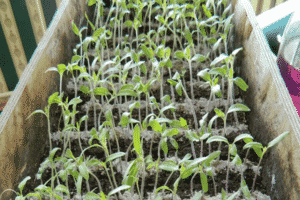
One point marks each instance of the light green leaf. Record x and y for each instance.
(241, 83)
(237, 160)
(75, 29)
(179, 54)
(253, 144)
(61, 188)
(52, 152)
(245, 189)
(122, 187)
(217, 44)
(84, 89)
(236, 51)
(92, 196)
(23, 182)
(219, 113)
(155, 126)
(137, 140)
(278, 139)
(211, 157)
(164, 145)
(127, 92)
(178, 88)
(204, 182)
(170, 132)
(114, 156)
(169, 165)
(211, 122)
(161, 188)
(217, 139)
(218, 59)
(174, 143)
(238, 107)
(183, 122)
(199, 58)
(54, 98)
(242, 136)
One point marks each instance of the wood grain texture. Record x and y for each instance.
(12, 37)
(37, 18)
(272, 109)
(22, 142)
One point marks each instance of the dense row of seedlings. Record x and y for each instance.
(131, 54)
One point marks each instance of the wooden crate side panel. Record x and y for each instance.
(22, 142)
(272, 111)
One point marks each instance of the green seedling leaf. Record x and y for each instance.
(211, 122)
(164, 145)
(61, 68)
(211, 157)
(241, 83)
(174, 143)
(185, 158)
(52, 152)
(199, 58)
(204, 182)
(238, 107)
(137, 140)
(84, 171)
(256, 146)
(23, 182)
(54, 98)
(179, 54)
(69, 154)
(224, 196)
(237, 160)
(92, 2)
(108, 115)
(163, 120)
(75, 29)
(233, 149)
(147, 52)
(189, 38)
(123, 187)
(61, 188)
(169, 165)
(236, 51)
(171, 106)
(188, 172)
(36, 194)
(205, 136)
(170, 132)
(162, 188)
(278, 139)
(245, 189)
(166, 98)
(133, 105)
(242, 136)
(183, 122)
(79, 184)
(219, 113)
(217, 44)
(178, 88)
(127, 92)
(36, 111)
(155, 126)
(206, 11)
(218, 59)
(187, 53)
(212, 40)
(114, 156)
(136, 78)
(217, 139)
(93, 162)
(197, 161)
(92, 196)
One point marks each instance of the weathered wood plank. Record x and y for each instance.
(22, 142)
(12, 36)
(37, 18)
(272, 109)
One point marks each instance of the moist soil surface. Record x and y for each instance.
(201, 105)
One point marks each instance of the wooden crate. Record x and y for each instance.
(21, 140)
(272, 109)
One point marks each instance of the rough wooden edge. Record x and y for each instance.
(272, 109)
(22, 142)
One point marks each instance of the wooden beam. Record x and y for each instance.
(12, 37)
(37, 18)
